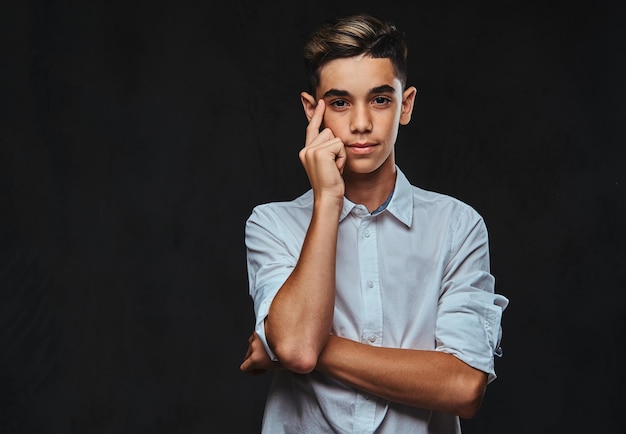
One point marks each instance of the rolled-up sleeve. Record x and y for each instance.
(470, 313)
(269, 265)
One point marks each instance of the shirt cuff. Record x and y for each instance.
(262, 311)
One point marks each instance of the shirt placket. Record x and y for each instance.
(372, 329)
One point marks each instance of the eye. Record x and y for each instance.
(339, 103)
(381, 100)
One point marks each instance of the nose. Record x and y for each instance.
(361, 120)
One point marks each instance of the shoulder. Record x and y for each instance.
(283, 211)
(430, 201)
(432, 207)
(442, 201)
(457, 222)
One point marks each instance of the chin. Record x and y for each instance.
(368, 165)
(362, 167)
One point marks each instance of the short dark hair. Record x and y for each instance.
(351, 36)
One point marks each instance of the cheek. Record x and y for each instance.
(333, 122)
(386, 123)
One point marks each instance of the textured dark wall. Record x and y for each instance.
(135, 138)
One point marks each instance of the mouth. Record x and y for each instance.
(361, 148)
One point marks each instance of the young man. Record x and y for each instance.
(373, 298)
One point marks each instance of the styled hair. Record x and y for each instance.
(354, 35)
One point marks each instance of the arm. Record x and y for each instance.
(418, 378)
(467, 334)
(300, 316)
(452, 378)
(256, 361)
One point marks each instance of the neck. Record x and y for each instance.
(370, 189)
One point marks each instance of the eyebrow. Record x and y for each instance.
(385, 88)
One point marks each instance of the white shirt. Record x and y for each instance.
(415, 275)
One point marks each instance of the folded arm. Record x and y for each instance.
(418, 378)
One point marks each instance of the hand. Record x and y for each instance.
(256, 361)
(323, 157)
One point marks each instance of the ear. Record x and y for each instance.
(309, 103)
(408, 100)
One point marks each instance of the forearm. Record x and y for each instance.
(301, 314)
(419, 378)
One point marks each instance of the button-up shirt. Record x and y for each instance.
(412, 275)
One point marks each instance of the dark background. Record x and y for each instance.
(136, 137)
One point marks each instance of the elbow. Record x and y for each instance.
(297, 359)
(295, 352)
(468, 410)
(471, 395)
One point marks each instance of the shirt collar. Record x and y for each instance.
(400, 206)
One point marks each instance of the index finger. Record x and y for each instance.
(313, 129)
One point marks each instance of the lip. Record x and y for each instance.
(361, 148)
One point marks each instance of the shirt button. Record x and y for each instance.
(370, 284)
(372, 338)
(367, 234)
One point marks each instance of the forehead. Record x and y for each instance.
(357, 75)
